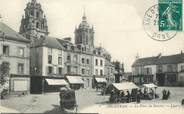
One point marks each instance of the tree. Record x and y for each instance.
(4, 72)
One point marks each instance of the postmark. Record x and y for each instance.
(151, 25)
(170, 15)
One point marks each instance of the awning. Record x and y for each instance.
(56, 82)
(75, 80)
(125, 86)
(101, 80)
(151, 85)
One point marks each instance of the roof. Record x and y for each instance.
(11, 34)
(150, 85)
(125, 86)
(171, 59)
(50, 42)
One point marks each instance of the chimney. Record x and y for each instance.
(159, 55)
(67, 39)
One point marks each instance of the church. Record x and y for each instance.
(55, 62)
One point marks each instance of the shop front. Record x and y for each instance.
(75, 82)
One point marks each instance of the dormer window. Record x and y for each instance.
(72, 47)
(37, 14)
(32, 13)
(37, 25)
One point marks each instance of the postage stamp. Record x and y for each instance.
(151, 25)
(170, 15)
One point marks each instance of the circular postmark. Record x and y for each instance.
(151, 26)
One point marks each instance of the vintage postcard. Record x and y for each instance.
(92, 56)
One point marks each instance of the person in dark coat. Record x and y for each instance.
(138, 97)
(122, 96)
(164, 94)
(168, 94)
(128, 96)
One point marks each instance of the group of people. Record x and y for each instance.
(165, 94)
(133, 96)
(149, 94)
(125, 96)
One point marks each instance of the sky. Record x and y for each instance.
(117, 24)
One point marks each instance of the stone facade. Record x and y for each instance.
(78, 58)
(14, 49)
(166, 70)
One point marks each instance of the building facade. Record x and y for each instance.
(60, 57)
(163, 70)
(14, 49)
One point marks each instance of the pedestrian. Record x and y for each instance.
(128, 96)
(164, 94)
(152, 93)
(168, 94)
(122, 96)
(182, 102)
(138, 97)
(140, 92)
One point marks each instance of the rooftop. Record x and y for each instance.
(157, 60)
(11, 34)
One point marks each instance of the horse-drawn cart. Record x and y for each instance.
(68, 100)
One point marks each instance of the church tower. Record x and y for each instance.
(84, 36)
(34, 23)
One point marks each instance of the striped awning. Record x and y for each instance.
(75, 80)
(56, 82)
(101, 80)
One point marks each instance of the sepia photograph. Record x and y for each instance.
(92, 56)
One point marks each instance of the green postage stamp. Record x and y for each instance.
(170, 15)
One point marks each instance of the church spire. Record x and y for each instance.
(84, 16)
(33, 1)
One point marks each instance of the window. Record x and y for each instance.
(87, 72)
(75, 69)
(96, 62)
(87, 61)
(160, 69)
(32, 13)
(50, 59)
(148, 71)
(182, 68)
(21, 52)
(72, 47)
(68, 69)
(49, 51)
(37, 25)
(60, 52)
(101, 63)
(96, 72)
(50, 70)
(68, 58)
(37, 14)
(101, 72)
(20, 68)
(83, 60)
(60, 60)
(60, 70)
(83, 71)
(75, 58)
(5, 50)
(169, 68)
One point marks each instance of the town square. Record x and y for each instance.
(91, 57)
